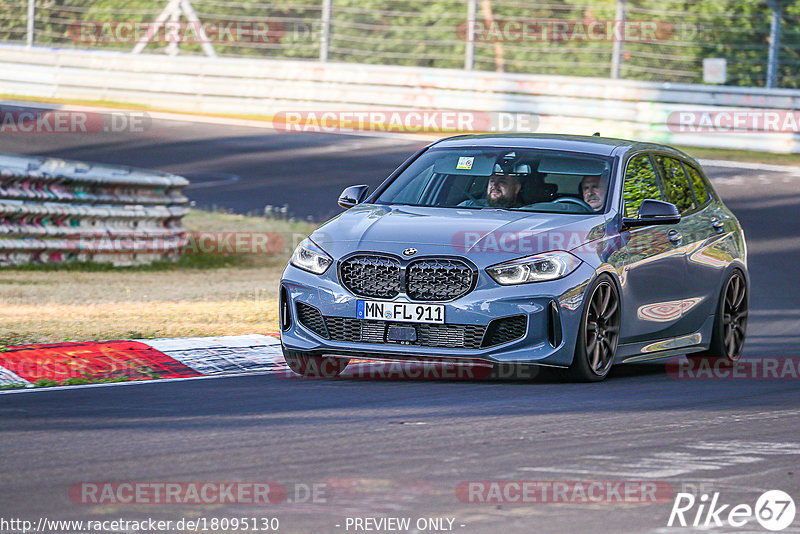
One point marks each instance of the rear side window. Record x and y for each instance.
(676, 186)
(640, 184)
(700, 189)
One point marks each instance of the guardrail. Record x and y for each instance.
(53, 210)
(257, 87)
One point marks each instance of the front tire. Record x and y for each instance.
(730, 322)
(314, 366)
(598, 332)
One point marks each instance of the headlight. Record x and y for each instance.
(309, 257)
(538, 268)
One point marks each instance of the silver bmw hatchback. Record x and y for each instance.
(548, 250)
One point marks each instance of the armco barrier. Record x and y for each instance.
(53, 210)
(620, 108)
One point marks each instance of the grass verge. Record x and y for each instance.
(748, 156)
(200, 295)
(75, 381)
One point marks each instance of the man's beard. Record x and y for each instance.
(500, 202)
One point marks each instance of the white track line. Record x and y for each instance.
(128, 383)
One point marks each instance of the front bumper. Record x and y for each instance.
(552, 311)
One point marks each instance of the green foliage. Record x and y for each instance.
(640, 184)
(676, 185)
(46, 383)
(699, 187)
(431, 33)
(78, 380)
(398, 32)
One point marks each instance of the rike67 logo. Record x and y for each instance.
(774, 510)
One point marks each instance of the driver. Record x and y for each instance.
(593, 190)
(502, 191)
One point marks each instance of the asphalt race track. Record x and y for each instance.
(236, 167)
(392, 448)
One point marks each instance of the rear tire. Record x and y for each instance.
(314, 366)
(730, 322)
(598, 332)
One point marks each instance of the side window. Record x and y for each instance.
(700, 190)
(676, 186)
(640, 184)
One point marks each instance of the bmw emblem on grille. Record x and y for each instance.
(409, 252)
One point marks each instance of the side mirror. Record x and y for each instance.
(654, 212)
(355, 194)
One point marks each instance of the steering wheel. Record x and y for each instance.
(576, 202)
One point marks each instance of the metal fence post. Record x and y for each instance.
(325, 32)
(774, 43)
(469, 51)
(172, 11)
(191, 16)
(616, 52)
(31, 21)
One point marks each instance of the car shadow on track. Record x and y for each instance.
(506, 374)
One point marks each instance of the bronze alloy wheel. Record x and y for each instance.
(601, 328)
(730, 324)
(734, 316)
(598, 334)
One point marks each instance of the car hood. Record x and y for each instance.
(491, 233)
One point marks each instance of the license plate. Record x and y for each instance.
(401, 312)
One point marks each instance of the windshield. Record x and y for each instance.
(503, 178)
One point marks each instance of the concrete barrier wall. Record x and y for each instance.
(254, 87)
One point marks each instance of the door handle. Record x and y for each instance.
(675, 237)
(718, 225)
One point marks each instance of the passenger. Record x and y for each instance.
(593, 190)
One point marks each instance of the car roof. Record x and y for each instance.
(587, 144)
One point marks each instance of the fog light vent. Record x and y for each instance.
(285, 313)
(554, 325)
